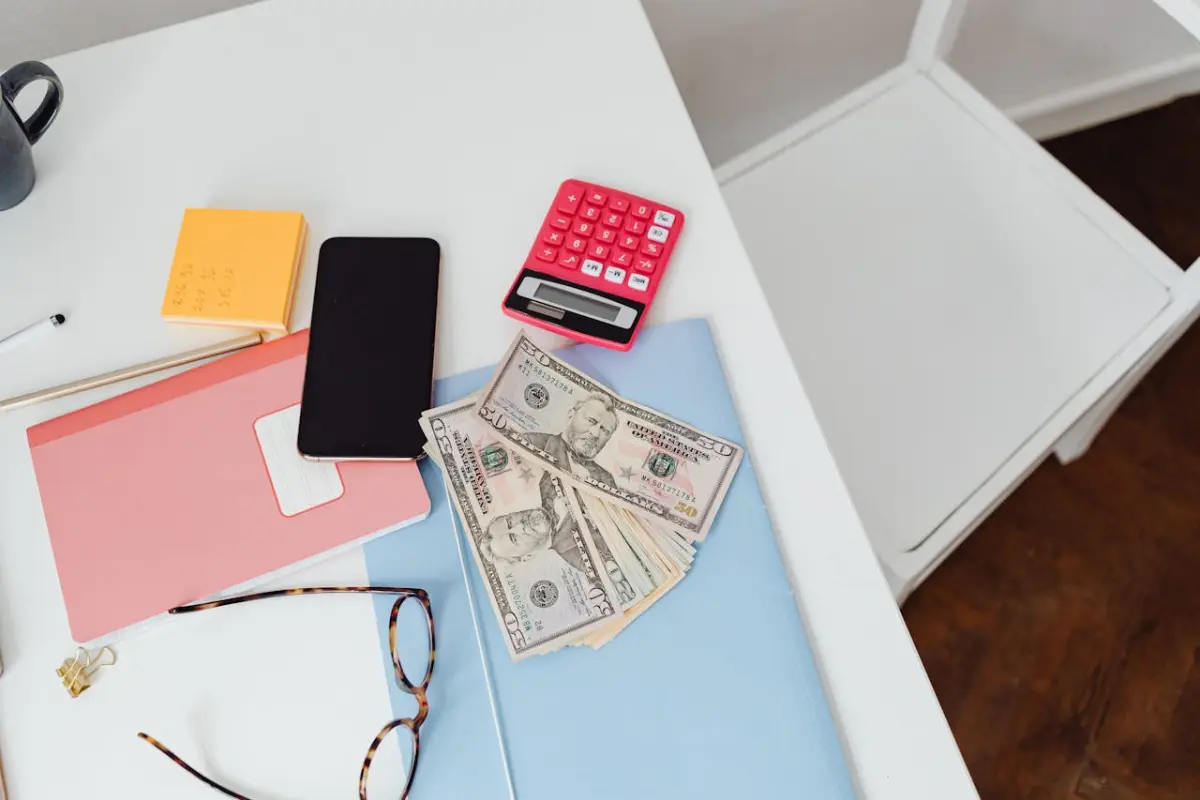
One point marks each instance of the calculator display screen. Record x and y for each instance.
(574, 302)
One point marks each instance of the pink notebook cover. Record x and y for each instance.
(162, 496)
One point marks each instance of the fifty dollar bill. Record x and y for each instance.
(626, 453)
(543, 575)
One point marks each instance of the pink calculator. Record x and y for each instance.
(596, 264)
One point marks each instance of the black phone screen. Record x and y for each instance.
(370, 351)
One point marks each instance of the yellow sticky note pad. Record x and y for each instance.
(236, 268)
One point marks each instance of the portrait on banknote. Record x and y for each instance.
(590, 424)
(519, 536)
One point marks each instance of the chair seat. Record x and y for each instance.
(939, 297)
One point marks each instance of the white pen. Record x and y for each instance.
(29, 334)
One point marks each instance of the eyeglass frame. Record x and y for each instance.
(417, 690)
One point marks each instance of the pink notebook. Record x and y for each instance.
(192, 486)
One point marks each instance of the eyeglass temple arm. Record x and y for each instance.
(246, 598)
(162, 748)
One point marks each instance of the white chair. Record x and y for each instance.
(957, 303)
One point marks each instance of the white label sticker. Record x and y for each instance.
(299, 484)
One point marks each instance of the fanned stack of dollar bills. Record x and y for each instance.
(581, 509)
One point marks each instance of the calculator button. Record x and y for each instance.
(547, 253)
(622, 258)
(598, 251)
(583, 228)
(614, 275)
(657, 234)
(635, 226)
(596, 197)
(664, 218)
(591, 268)
(569, 197)
(577, 244)
(590, 212)
(641, 210)
(560, 222)
(607, 236)
(612, 219)
(652, 248)
(619, 204)
(645, 264)
(553, 237)
(639, 282)
(629, 242)
(569, 261)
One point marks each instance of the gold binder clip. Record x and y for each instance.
(77, 672)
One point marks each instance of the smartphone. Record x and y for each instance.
(370, 349)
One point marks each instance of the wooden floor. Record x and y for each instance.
(1063, 638)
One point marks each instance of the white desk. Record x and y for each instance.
(451, 120)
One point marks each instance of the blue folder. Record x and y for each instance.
(712, 693)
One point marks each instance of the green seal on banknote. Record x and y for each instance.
(661, 465)
(494, 458)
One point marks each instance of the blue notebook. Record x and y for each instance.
(712, 693)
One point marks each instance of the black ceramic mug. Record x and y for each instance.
(17, 136)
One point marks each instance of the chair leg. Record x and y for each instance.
(901, 588)
(1075, 442)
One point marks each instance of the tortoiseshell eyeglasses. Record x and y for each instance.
(417, 690)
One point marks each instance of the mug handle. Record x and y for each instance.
(20, 76)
